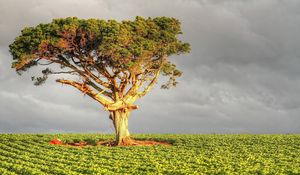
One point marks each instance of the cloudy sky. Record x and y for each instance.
(242, 76)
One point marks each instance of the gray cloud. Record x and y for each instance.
(241, 76)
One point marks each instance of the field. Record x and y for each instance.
(190, 154)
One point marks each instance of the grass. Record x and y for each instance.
(190, 154)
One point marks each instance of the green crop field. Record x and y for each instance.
(190, 154)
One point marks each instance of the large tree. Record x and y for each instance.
(115, 63)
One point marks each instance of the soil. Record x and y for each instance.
(127, 143)
(136, 143)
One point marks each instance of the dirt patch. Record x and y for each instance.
(112, 143)
(136, 143)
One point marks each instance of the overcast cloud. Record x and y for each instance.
(242, 75)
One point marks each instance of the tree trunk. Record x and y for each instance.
(120, 121)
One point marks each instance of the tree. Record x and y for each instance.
(115, 63)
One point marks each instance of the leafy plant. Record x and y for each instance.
(191, 154)
(90, 141)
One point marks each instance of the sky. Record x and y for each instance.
(242, 75)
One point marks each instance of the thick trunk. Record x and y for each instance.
(120, 121)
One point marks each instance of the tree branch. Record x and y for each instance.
(150, 85)
(63, 72)
(153, 81)
(94, 77)
(86, 90)
(82, 74)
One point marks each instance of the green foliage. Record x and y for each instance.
(118, 45)
(90, 141)
(170, 70)
(191, 154)
(77, 140)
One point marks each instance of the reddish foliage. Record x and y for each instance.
(55, 142)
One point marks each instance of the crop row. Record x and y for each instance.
(190, 154)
